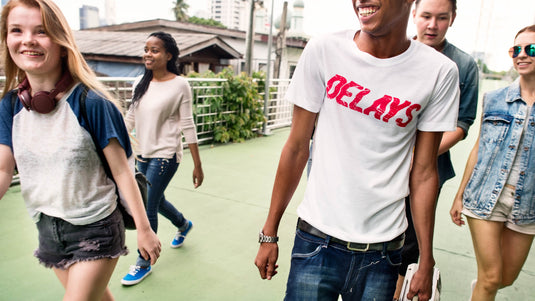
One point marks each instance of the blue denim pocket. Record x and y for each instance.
(164, 165)
(307, 245)
(394, 257)
(312, 264)
(494, 127)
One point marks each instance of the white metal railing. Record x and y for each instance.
(279, 111)
(206, 92)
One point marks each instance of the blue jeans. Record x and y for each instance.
(322, 270)
(159, 172)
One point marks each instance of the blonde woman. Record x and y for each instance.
(497, 192)
(63, 182)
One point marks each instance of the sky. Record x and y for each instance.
(500, 20)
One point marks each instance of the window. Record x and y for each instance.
(292, 70)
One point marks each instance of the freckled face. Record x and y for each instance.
(156, 56)
(29, 45)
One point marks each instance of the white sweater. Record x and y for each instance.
(159, 118)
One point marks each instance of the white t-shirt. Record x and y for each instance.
(61, 174)
(370, 110)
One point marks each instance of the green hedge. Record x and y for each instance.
(240, 108)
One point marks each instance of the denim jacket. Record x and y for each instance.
(469, 86)
(502, 124)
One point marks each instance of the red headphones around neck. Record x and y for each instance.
(43, 102)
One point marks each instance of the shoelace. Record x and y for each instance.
(134, 269)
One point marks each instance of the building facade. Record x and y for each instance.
(89, 17)
(231, 13)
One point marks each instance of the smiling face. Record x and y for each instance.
(432, 19)
(523, 63)
(29, 45)
(156, 56)
(382, 17)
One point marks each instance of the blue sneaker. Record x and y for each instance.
(180, 236)
(136, 275)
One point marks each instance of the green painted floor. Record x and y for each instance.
(216, 262)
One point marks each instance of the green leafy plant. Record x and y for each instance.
(239, 108)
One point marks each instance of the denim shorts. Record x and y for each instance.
(62, 244)
(502, 212)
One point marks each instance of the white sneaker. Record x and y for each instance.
(473, 285)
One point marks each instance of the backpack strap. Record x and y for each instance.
(83, 112)
(13, 100)
(141, 180)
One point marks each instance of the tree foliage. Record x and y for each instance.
(203, 21)
(180, 10)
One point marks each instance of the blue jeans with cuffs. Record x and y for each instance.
(159, 172)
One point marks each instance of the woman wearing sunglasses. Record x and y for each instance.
(497, 192)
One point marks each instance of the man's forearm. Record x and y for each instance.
(291, 165)
(449, 139)
(423, 199)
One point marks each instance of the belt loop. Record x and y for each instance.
(327, 240)
(385, 248)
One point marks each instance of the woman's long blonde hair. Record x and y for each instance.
(59, 31)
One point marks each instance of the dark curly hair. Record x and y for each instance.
(171, 47)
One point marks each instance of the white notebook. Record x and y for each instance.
(411, 269)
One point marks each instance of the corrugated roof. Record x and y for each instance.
(151, 25)
(186, 27)
(131, 44)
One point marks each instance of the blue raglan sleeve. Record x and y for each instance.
(6, 120)
(106, 121)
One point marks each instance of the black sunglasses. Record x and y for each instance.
(515, 50)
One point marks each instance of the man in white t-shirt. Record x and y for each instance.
(384, 101)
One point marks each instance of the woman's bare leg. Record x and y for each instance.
(88, 280)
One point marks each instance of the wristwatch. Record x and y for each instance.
(264, 238)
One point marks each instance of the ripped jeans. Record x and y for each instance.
(322, 270)
(159, 172)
